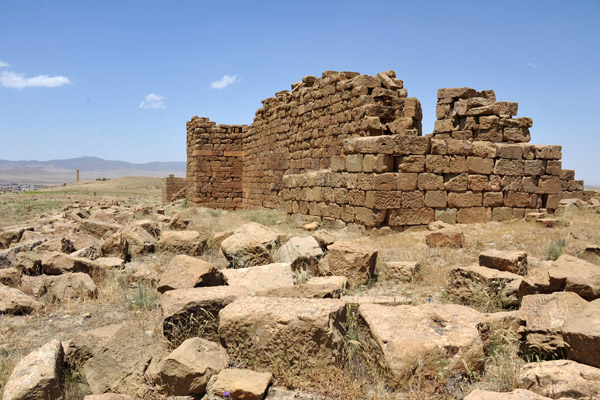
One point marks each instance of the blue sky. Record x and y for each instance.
(119, 79)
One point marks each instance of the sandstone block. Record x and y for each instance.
(467, 282)
(369, 217)
(473, 215)
(240, 383)
(352, 260)
(511, 261)
(383, 200)
(410, 216)
(184, 272)
(192, 243)
(414, 163)
(446, 237)
(466, 199)
(561, 378)
(261, 277)
(480, 165)
(378, 163)
(430, 181)
(436, 199)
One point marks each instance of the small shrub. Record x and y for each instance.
(555, 249)
(143, 297)
(301, 276)
(76, 386)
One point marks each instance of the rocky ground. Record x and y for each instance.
(103, 290)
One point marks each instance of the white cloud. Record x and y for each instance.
(4, 64)
(532, 65)
(14, 80)
(153, 101)
(226, 81)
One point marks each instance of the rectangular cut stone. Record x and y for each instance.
(369, 217)
(378, 163)
(474, 215)
(404, 145)
(518, 199)
(410, 163)
(369, 145)
(338, 164)
(354, 162)
(462, 92)
(383, 200)
(478, 183)
(506, 150)
(406, 181)
(386, 181)
(408, 216)
(567, 174)
(443, 126)
(414, 199)
(509, 167)
(549, 185)
(436, 198)
(430, 181)
(437, 164)
(447, 215)
(547, 152)
(480, 165)
(535, 167)
(553, 167)
(458, 165)
(484, 149)
(466, 199)
(493, 199)
(455, 183)
(520, 135)
(502, 214)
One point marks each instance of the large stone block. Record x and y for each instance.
(410, 216)
(474, 215)
(466, 199)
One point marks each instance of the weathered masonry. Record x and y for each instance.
(350, 147)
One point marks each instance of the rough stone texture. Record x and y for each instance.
(517, 394)
(120, 362)
(197, 310)
(511, 261)
(352, 260)
(262, 277)
(86, 344)
(56, 263)
(361, 136)
(39, 375)
(241, 383)
(575, 275)
(62, 287)
(561, 378)
(542, 317)
(301, 253)
(97, 228)
(251, 244)
(325, 287)
(191, 243)
(581, 332)
(10, 276)
(13, 301)
(467, 283)
(591, 254)
(446, 237)
(411, 338)
(140, 238)
(307, 332)
(402, 271)
(184, 272)
(188, 369)
(107, 396)
(115, 245)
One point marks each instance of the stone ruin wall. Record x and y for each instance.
(173, 188)
(348, 146)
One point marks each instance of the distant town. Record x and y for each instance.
(19, 187)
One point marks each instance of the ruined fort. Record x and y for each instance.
(350, 147)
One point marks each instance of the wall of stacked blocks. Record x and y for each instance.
(350, 147)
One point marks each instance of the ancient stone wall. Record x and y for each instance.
(214, 163)
(303, 129)
(349, 147)
(172, 187)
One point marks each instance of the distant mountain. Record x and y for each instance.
(90, 168)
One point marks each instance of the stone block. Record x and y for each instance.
(547, 152)
(354, 162)
(414, 163)
(383, 200)
(378, 163)
(456, 183)
(410, 145)
(437, 164)
(502, 214)
(368, 217)
(477, 183)
(535, 167)
(493, 199)
(414, 199)
(549, 185)
(386, 181)
(443, 126)
(474, 215)
(480, 165)
(507, 150)
(553, 168)
(430, 181)
(518, 199)
(338, 163)
(406, 216)
(406, 181)
(447, 215)
(466, 199)
(463, 92)
(509, 167)
(436, 198)
(516, 134)
(484, 149)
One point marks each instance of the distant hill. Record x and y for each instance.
(55, 172)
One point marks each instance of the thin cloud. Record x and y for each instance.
(14, 80)
(153, 101)
(226, 81)
(4, 64)
(531, 65)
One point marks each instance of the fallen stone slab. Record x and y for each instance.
(115, 245)
(184, 272)
(56, 263)
(576, 275)
(542, 317)
(91, 252)
(84, 345)
(409, 340)
(13, 301)
(152, 227)
(39, 375)
(400, 271)
(195, 312)
(352, 260)
(325, 287)
(188, 369)
(476, 283)
(62, 287)
(511, 261)
(191, 243)
(10, 276)
(446, 237)
(120, 362)
(107, 396)
(303, 253)
(9, 256)
(561, 378)
(307, 332)
(110, 263)
(245, 252)
(10, 236)
(262, 277)
(266, 236)
(240, 383)
(97, 228)
(139, 239)
(581, 332)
